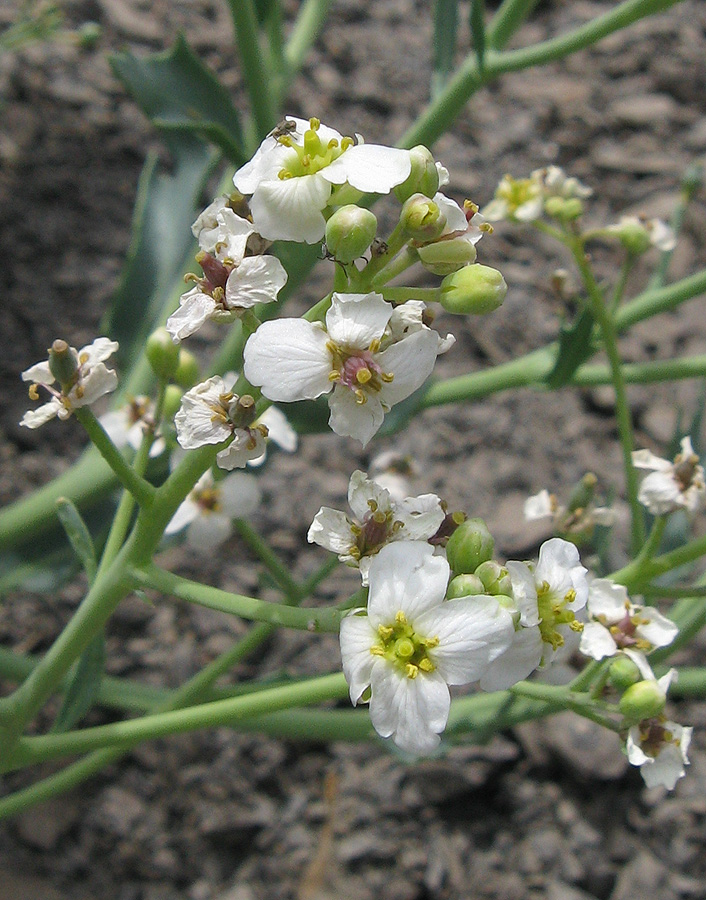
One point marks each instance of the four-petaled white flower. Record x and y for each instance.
(546, 598)
(671, 485)
(520, 200)
(293, 176)
(577, 520)
(410, 644)
(210, 508)
(91, 380)
(616, 623)
(378, 521)
(127, 425)
(221, 232)
(226, 290)
(211, 413)
(657, 745)
(367, 355)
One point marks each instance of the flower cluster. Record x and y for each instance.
(671, 485)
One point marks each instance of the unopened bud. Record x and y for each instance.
(63, 363)
(421, 219)
(162, 353)
(623, 673)
(447, 256)
(583, 493)
(465, 586)
(349, 233)
(633, 235)
(495, 578)
(424, 177)
(470, 545)
(564, 208)
(187, 370)
(473, 289)
(643, 700)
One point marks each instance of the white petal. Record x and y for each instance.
(258, 279)
(405, 576)
(34, 418)
(355, 320)
(421, 516)
(195, 422)
(278, 428)
(560, 566)
(525, 592)
(247, 446)
(596, 641)
(608, 599)
(370, 168)
(411, 362)
(101, 349)
(455, 216)
(361, 490)
(411, 710)
(357, 637)
(209, 530)
(196, 307)
(472, 632)
(289, 360)
(331, 529)
(290, 209)
(40, 373)
(660, 493)
(516, 663)
(239, 495)
(185, 514)
(352, 419)
(228, 238)
(645, 459)
(116, 425)
(659, 630)
(97, 382)
(539, 506)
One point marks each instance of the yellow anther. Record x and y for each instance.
(83, 358)
(373, 505)
(400, 617)
(432, 642)
(314, 124)
(411, 671)
(354, 552)
(218, 294)
(376, 650)
(360, 397)
(332, 144)
(643, 644)
(387, 377)
(374, 345)
(570, 596)
(426, 665)
(363, 376)
(396, 526)
(80, 391)
(543, 588)
(190, 276)
(306, 160)
(33, 392)
(576, 626)
(385, 631)
(346, 143)
(334, 376)
(356, 529)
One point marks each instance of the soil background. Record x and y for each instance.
(550, 810)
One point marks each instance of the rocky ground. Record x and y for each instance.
(550, 810)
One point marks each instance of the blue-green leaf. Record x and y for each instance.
(575, 347)
(84, 683)
(178, 92)
(78, 535)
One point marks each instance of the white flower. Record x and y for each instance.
(615, 622)
(577, 520)
(546, 598)
(540, 506)
(355, 357)
(410, 644)
(226, 289)
(654, 232)
(671, 485)
(556, 183)
(127, 425)
(293, 175)
(91, 380)
(278, 430)
(378, 520)
(210, 508)
(519, 200)
(221, 232)
(210, 413)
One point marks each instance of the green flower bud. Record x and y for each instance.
(643, 700)
(421, 219)
(564, 208)
(470, 545)
(473, 289)
(633, 235)
(187, 370)
(583, 493)
(623, 673)
(172, 401)
(446, 257)
(63, 363)
(349, 233)
(495, 578)
(162, 353)
(465, 586)
(424, 177)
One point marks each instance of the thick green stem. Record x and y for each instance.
(315, 619)
(257, 77)
(509, 17)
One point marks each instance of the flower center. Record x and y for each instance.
(553, 612)
(517, 192)
(208, 499)
(358, 370)
(400, 645)
(374, 531)
(624, 632)
(313, 155)
(653, 736)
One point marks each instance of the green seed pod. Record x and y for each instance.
(424, 177)
(162, 353)
(473, 289)
(187, 370)
(470, 545)
(643, 700)
(421, 219)
(63, 364)
(465, 586)
(349, 233)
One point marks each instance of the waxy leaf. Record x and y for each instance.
(575, 347)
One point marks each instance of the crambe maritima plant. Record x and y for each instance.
(439, 635)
